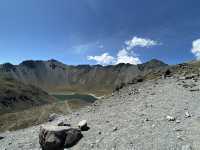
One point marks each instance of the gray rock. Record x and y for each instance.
(83, 125)
(115, 129)
(58, 137)
(52, 137)
(1, 137)
(52, 117)
(194, 90)
(170, 118)
(191, 76)
(72, 137)
(187, 114)
(64, 123)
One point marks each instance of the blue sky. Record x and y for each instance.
(99, 31)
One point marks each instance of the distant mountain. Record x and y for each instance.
(54, 76)
(152, 64)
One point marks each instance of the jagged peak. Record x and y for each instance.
(53, 61)
(30, 63)
(153, 63)
(8, 65)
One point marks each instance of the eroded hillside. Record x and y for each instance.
(54, 76)
(15, 95)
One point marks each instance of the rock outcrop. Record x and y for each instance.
(52, 137)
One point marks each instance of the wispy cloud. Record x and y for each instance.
(140, 42)
(196, 48)
(104, 59)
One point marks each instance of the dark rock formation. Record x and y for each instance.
(72, 137)
(58, 137)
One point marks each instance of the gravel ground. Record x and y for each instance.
(132, 119)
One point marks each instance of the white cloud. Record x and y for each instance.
(140, 42)
(124, 56)
(196, 48)
(104, 59)
(127, 54)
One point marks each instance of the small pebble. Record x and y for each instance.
(115, 129)
(170, 118)
(187, 114)
(83, 125)
(92, 145)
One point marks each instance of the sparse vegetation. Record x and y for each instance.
(32, 116)
(16, 96)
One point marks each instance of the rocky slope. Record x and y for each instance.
(15, 95)
(158, 114)
(54, 76)
(23, 86)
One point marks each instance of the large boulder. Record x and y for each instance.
(52, 137)
(73, 136)
(58, 137)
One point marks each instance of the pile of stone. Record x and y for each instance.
(58, 137)
(190, 76)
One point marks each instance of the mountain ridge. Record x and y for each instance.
(53, 75)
